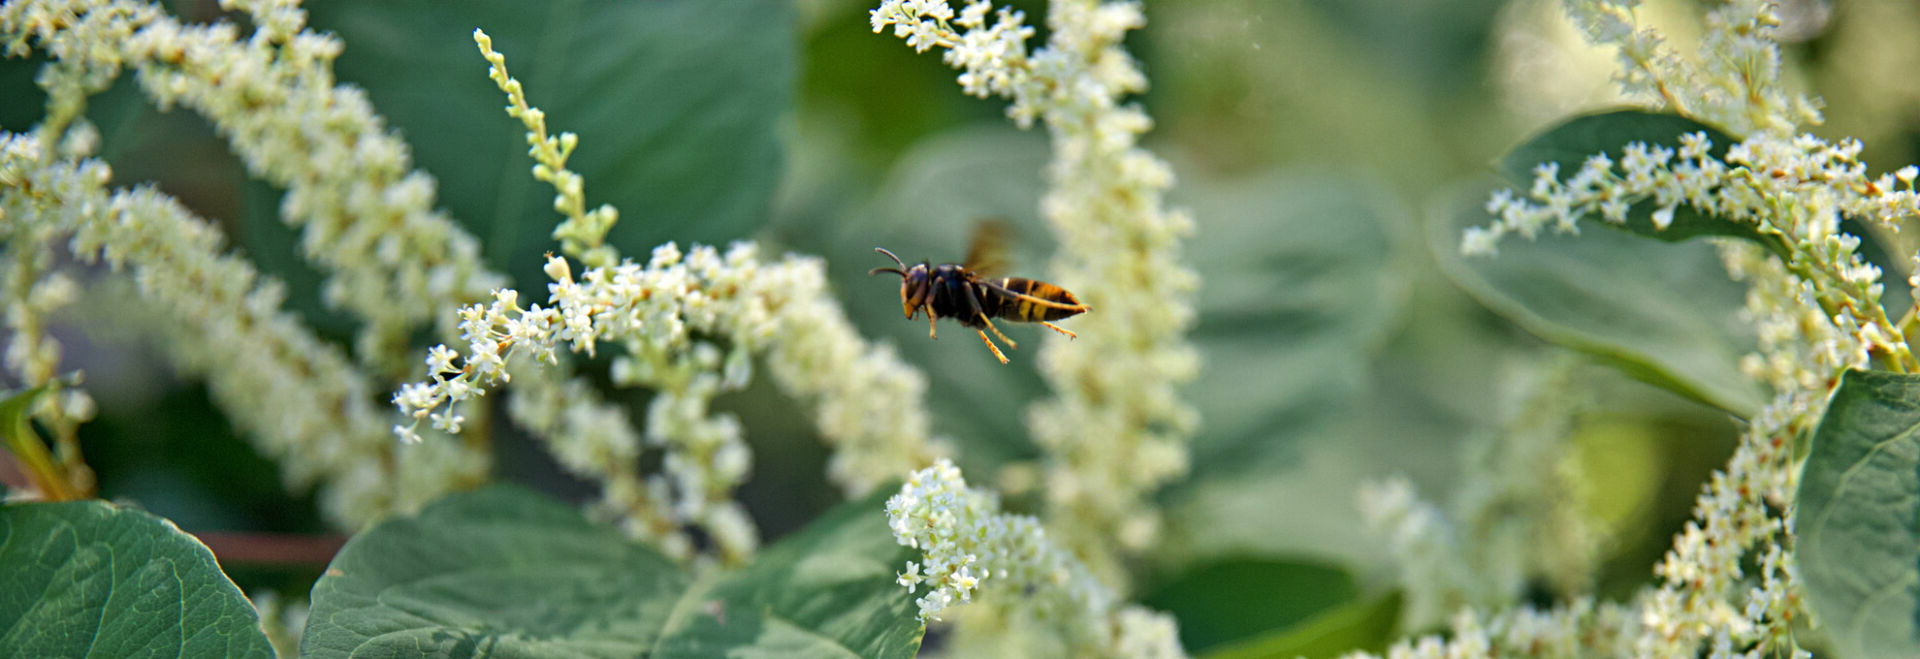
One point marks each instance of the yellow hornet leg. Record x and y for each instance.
(931, 332)
(1057, 328)
(991, 346)
(996, 332)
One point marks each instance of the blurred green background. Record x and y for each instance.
(1330, 150)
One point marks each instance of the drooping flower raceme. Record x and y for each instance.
(969, 547)
(1116, 429)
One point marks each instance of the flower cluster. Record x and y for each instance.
(689, 326)
(969, 546)
(1116, 429)
(1577, 629)
(1733, 81)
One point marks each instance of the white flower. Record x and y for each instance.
(1663, 216)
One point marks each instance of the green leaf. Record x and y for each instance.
(1858, 525)
(507, 572)
(1570, 144)
(829, 590)
(1664, 313)
(88, 578)
(677, 104)
(1360, 625)
(1231, 600)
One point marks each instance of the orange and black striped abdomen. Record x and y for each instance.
(1031, 302)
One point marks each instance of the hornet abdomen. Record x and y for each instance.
(1032, 301)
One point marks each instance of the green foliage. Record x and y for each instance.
(1299, 285)
(1664, 313)
(1434, 45)
(676, 104)
(504, 571)
(1858, 524)
(1357, 625)
(1571, 143)
(1211, 600)
(89, 578)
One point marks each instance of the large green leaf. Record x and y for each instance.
(1664, 312)
(1858, 524)
(1232, 600)
(1359, 625)
(1571, 143)
(506, 572)
(88, 578)
(676, 102)
(828, 590)
(1299, 285)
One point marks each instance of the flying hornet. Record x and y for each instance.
(963, 292)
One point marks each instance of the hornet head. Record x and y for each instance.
(916, 283)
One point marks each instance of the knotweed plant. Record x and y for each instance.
(392, 420)
(687, 325)
(1730, 585)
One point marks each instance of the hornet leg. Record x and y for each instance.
(974, 301)
(991, 346)
(1060, 329)
(996, 332)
